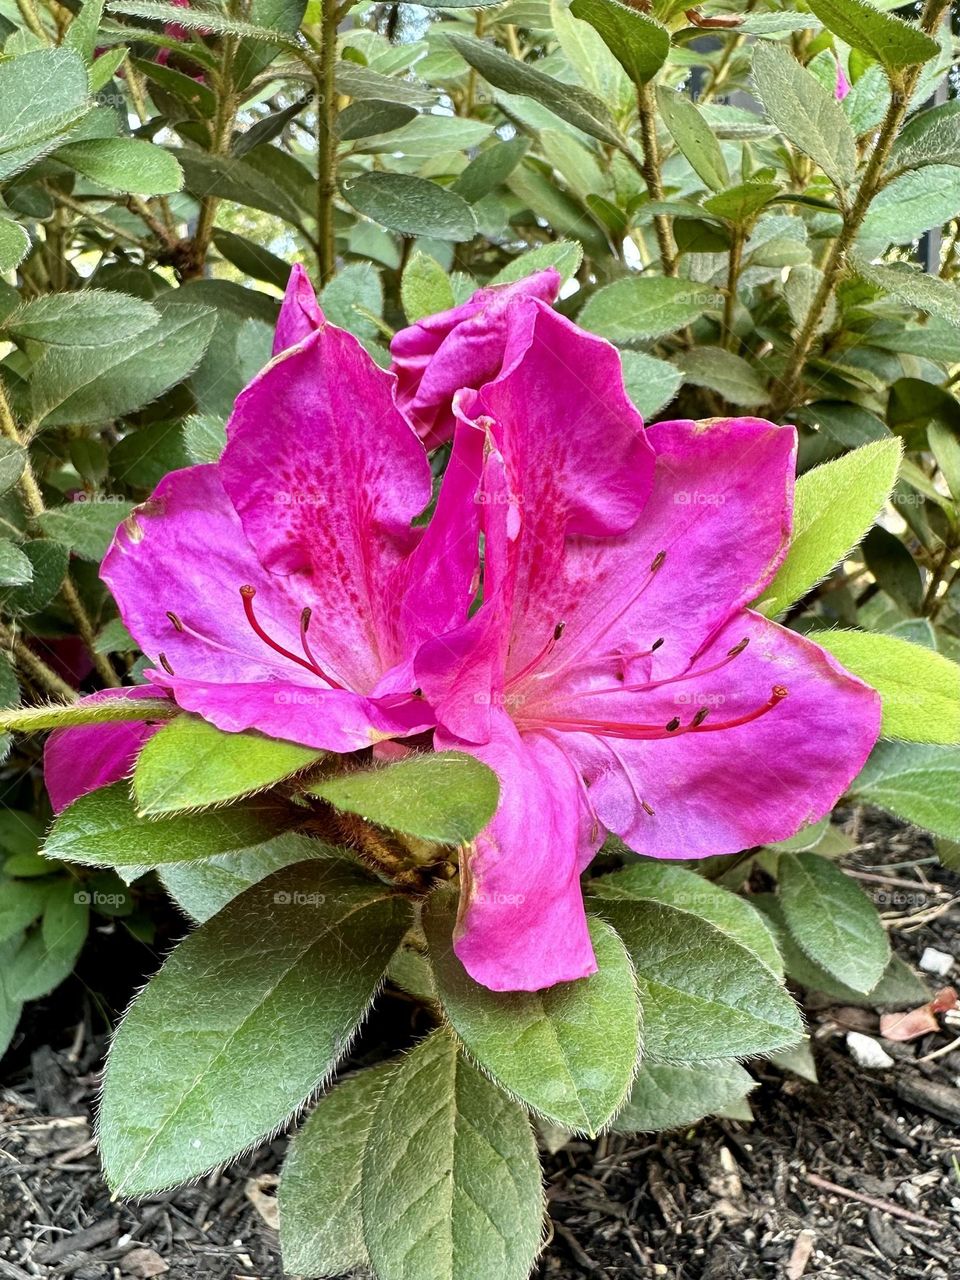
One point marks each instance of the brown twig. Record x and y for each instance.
(884, 1206)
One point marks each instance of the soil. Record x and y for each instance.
(855, 1177)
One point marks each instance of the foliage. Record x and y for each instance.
(745, 233)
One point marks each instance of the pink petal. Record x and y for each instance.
(571, 465)
(327, 477)
(85, 758)
(462, 347)
(300, 312)
(716, 789)
(184, 552)
(329, 719)
(842, 87)
(522, 924)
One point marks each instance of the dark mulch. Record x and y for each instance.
(725, 1201)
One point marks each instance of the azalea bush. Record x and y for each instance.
(480, 487)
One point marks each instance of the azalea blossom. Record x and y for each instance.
(462, 347)
(614, 677)
(285, 587)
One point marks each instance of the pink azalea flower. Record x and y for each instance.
(285, 588)
(614, 677)
(84, 759)
(842, 87)
(462, 347)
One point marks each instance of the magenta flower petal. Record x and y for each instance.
(783, 730)
(82, 759)
(176, 568)
(570, 463)
(842, 86)
(462, 347)
(300, 312)
(326, 477)
(522, 924)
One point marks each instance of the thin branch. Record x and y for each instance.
(113, 711)
(33, 666)
(646, 112)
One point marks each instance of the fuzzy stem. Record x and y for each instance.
(646, 112)
(114, 711)
(34, 505)
(326, 87)
(33, 666)
(903, 88)
(730, 300)
(222, 128)
(29, 14)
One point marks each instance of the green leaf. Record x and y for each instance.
(87, 318)
(944, 440)
(204, 887)
(809, 116)
(650, 383)
(703, 995)
(15, 569)
(834, 506)
(693, 136)
(490, 168)
(913, 286)
(799, 292)
(445, 796)
(43, 93)
(82, 32)
(912, 204)
(930, 137)
(646, 307)
(21, 903)
(413, 206)
(894, 568)
(650, 881)
(742, 203)
(723, 372)
(49, 953)
(94, 384)
(920, 688)
(570, 1051)
(564, 255)
(425, 288)
(352, 298)
(321, 1229)
(361, 119)
(85, 528)
(578, 106)
(14, 244)
(199, 17)
(204, 437)
(458, 1196)
(917, 782)
(668, 1096)
(124, 164)
(889, 40)
(241, 181)
(13, 459)
(49, 561)
(114, 637)
(191, 764)
(899, 985)
(245, 1019)
(833, 920)
(428, 136)
(104, 829)
(638, 43)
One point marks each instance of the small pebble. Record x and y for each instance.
(866, 1052)
(938, 962)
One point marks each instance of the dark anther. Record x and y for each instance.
(558, 630)
(673, 725)
(177, 624)
(658, 560)
(162, 658)
(738, 648)
(701, 716)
